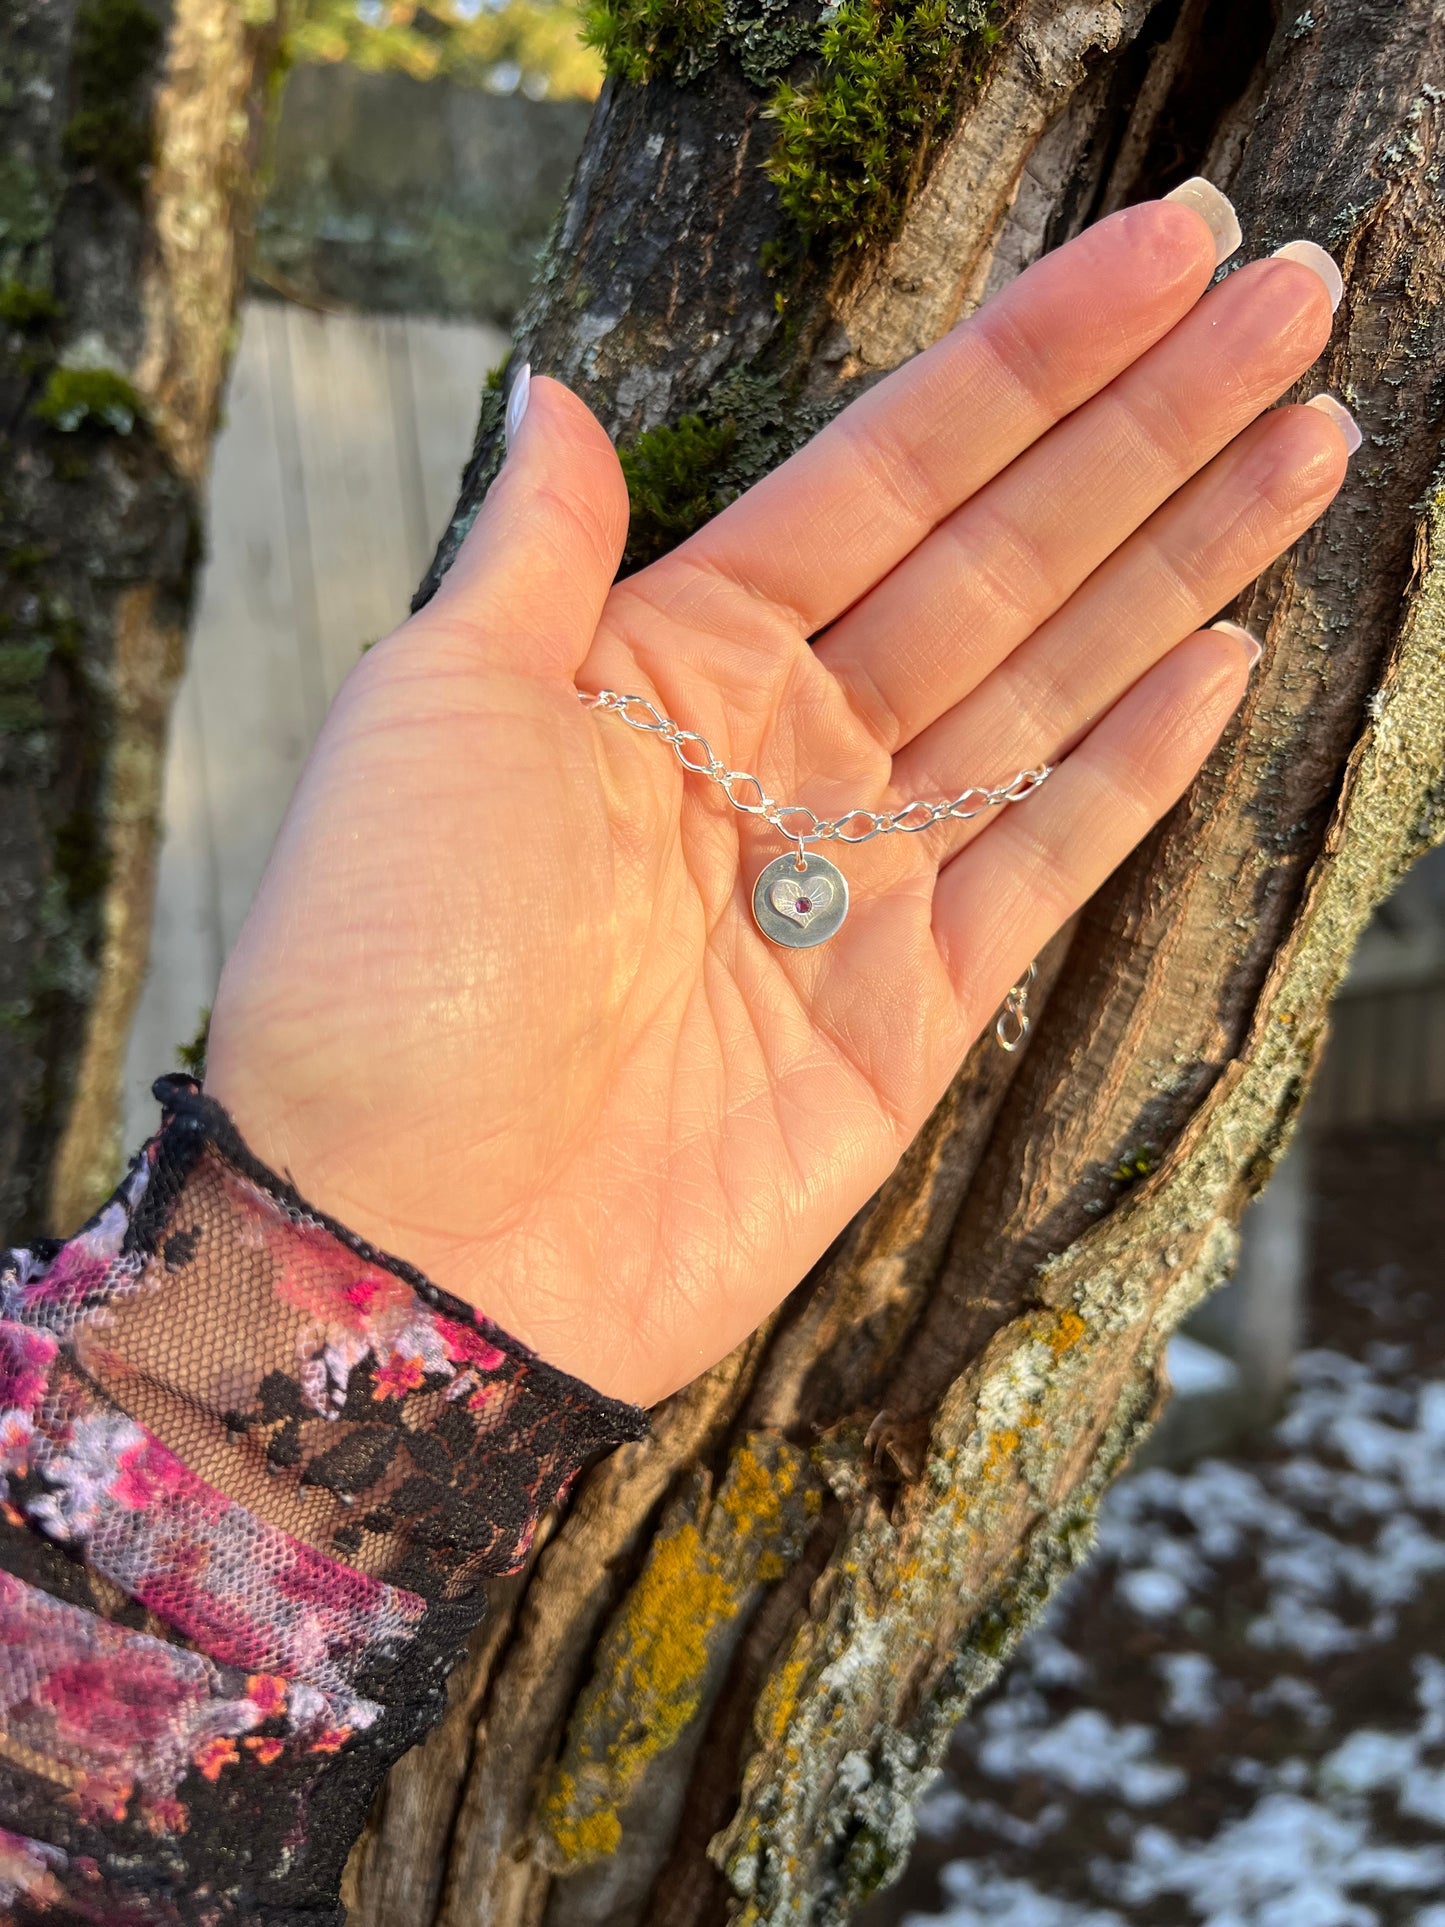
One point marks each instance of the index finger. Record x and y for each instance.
(832, 520)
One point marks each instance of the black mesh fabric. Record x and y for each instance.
(255, 1475)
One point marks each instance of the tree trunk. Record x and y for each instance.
(127, 147)
(728, 1675)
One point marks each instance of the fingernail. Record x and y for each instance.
(1217, 212)
(1311, 255)
(1340, 416)
(1252, 645)
(517, 401)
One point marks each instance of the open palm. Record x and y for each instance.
(501, 1004)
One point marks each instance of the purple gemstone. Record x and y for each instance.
(803, 906)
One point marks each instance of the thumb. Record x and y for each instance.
(534, 570)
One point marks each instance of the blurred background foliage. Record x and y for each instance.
(503, 45)
(421, 154)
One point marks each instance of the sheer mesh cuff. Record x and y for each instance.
(329, 1388)
(230, 1426)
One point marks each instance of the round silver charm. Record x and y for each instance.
(800, 907)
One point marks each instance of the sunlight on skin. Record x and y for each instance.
(500, 1004)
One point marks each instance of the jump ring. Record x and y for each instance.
(1012, 1027)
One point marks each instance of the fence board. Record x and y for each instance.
(447, 365)
(334, 473)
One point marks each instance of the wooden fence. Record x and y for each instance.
(335, 471)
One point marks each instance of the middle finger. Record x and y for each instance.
(1009, 558)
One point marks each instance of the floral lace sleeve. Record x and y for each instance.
(254, 1475)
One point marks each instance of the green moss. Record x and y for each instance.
(192, 1056)
(102, 138)
(17, 1017)
(26, 205)
(22, 666)
(21, 713)
(645, 40)
(95, 398)
(852, 143)
(868, 1864)
(116, 44)
(82, 861)
(854, 138)
(25, 307)
(680, 475)
(63, 632)
(642, 39)
(673, 481)
(46, 687)
(63, 969)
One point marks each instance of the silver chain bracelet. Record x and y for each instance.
(800, 899)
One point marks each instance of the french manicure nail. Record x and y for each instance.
(517, 401)
(1311, 255)
(1340, 416)
(1215, 210)
(1252, 644)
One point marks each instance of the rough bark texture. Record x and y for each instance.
(127, 147)
(729, 1674)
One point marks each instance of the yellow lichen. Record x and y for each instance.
(705, 1566)
(587, 1838)
(678, 1599)
(752, 1497)
(775, 1710)
(1064, 1332)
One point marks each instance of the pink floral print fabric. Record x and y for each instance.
(123, 1718)
(247, 1594)
(253, 1475)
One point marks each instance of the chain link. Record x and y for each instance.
(695, 754)
(1013, 1020)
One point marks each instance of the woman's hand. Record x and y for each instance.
(500, 1004)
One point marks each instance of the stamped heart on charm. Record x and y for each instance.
(800, 899)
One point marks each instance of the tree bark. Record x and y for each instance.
(128, 136)
(727, 1676)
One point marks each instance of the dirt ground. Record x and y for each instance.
(1236, 1715)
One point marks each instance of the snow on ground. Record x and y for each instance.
(1236, 1716)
